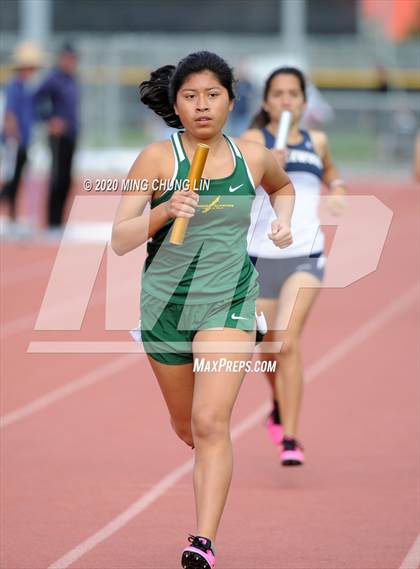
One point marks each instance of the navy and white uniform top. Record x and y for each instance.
(305, 169)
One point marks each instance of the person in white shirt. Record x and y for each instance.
(290, 278)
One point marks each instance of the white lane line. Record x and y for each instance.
(103, 372)
(342, 349)
(149, 498)
(403, 302)
(412, 559)
(22, 324)
(120, 521)
(27, 322)
(27, 272)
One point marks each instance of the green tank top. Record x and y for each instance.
(212, 265)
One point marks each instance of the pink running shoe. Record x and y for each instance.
(291, 453)
(275, 430)
(198, 555)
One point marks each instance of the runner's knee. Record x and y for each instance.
(183, 430)
(290, 345)
(209, 424)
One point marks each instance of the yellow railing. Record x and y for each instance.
(331, 78)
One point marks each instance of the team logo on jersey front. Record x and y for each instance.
(214, 205)
(304, 157)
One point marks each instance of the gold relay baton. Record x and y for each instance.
(194, 176)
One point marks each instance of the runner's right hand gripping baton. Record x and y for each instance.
(194, 176)
(283, 130)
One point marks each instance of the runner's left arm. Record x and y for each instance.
(277, 184)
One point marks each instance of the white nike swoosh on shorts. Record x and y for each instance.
(234, 317)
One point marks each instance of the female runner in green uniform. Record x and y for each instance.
(198, 299)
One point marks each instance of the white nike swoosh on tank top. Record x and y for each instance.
(235, 188)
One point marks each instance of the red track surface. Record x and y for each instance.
(71, 467)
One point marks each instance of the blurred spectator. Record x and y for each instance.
(382, 82)
(244, 91)
(58, 101)
(18, 120)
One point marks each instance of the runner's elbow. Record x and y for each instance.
(117, 242)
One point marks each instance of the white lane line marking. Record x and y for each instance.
(27, 322)
(120, 521)
(342, 349)
(405, 300)
(21, 324)
(149, 498)
(26, 273)
(412, 559)
(103, 372)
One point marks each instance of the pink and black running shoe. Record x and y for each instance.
(274, 426)
(275, 430)
(199, 554)
(291, 453)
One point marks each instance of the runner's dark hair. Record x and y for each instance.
(160, 91)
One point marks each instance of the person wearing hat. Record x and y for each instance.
(58, 98)
(19, 117)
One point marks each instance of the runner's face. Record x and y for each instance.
(203, 104)
(285, 94)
